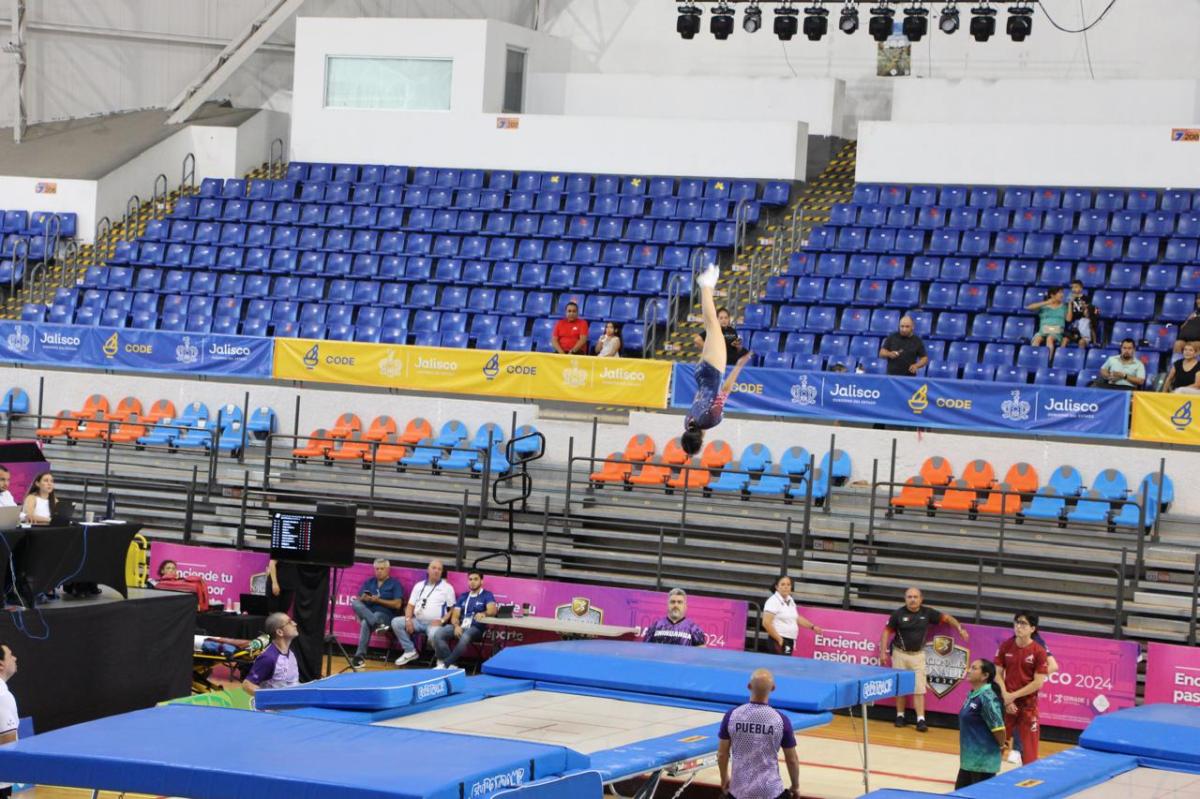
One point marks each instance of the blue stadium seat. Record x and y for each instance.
(951, 325)
(995, 219)
(1011, 374)
(998, 355)
(1051, 376)
(889, 267)
(904, 294)
(1138, 305)
(990, 271)
(978, 371)
(1066, 481)
(986, 327)
(1091, 274)
(940, 295)
(820, 319)
(1046, 504)
(1090, 509)
(941, 370)
(1177, 306)
(1111, 484)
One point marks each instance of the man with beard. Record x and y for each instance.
(676, 628)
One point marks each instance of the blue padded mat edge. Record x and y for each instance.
(1168, 733)
(1061, 774)
(714, 675)
(476, 688)
(377, 690)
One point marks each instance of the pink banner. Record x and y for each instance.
(1096, 675)
(226, 572)
(1173, 674)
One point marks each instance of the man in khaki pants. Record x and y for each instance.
(909, 625)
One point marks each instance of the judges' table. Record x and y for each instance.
(46, 557)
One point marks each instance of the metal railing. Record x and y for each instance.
(276, 163)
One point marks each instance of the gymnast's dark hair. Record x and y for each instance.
(989, 671)
(692, 439)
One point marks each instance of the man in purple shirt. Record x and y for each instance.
(676, 628)
(276, 666)
(751, 735)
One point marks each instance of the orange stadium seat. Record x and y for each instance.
(916, 493)
(346, 425)
(415, 430)
(655, 472)
(998, 503)
(716, 455)
(673, 453)
(163, 409)
(960, 496)
(693, 475)
(640, 448)
(129, 431)
(318, 444)
(1022, 477)
(612, 471)
(359, 445)
(390, 450)
(62, 425)
(95, 404)
(130, 406)
(92, 428)
(937, 471)
(979, 475)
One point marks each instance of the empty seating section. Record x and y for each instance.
(35, 234)
(449, 257)
(1109, 501)
(160, 424)
(715, 472)
(968, 260)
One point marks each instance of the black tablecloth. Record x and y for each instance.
(231, 625)
(46, 557)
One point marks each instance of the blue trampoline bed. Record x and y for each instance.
(545, 721)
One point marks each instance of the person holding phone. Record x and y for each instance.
(377, 603)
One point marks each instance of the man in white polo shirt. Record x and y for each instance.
(8, 707)
(429, 606)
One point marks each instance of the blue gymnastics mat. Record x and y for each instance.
(1159, 735)
(376, 690)
(714, 675)
(218, 753)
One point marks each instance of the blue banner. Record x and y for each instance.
(918, 402)
(135, 350)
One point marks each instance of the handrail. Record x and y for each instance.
(102, 231)
(158, 194)
(133, 213)
(649, 329)
(275, 162)
(50, 239)
(187, 174)
(20, 257)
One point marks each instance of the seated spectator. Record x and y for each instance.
(276, 667)
(676, 628)
(1184, 377)
(471, 609)
(379, 600)
(428, 608)
(6, 497)
(733, 340)
(570, 333)
(1190, 329)
(904, 351)
(1124, 371)
(169, 579)
(781, 620)
(40, 502)
(609, 345)
(1052, 320)
(1081, 317)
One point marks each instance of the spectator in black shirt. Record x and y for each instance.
(734, 348)
(904, 350)
(1189, 330)
(909, 625)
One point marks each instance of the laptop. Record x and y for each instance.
(64, 512)
(10, 517)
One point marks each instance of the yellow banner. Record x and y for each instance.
(1170, 418)
(533, 375)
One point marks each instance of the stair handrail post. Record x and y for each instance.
(187, 174)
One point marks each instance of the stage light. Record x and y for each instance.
(983, 23)
(849, 19)
(688, 24)
(752, 18)
(816, 22)
(880, 26)
(948, 21)
(720, 24)
(1020, 22)
(786, 22)
(916, 23)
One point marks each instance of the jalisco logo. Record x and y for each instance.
(17, 341)
(1182, 418)
(229, 350)
(574, 376)
(187, 352)
(54, 339)
(390, 365)
(434, 364)
(1015, 409)
(619, 374)
(919, 401)
(804, 394)
(854, 392)
(1071, 406)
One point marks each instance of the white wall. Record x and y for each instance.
(1010, 154)
(71, 196)
(1144, 102)
(816, 101)
(467, 135)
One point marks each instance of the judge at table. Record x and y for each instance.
(41, 502)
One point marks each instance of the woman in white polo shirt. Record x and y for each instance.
(781, 620)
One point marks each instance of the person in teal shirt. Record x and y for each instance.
(981, 739)
(1052, 320)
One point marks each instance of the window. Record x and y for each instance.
(407, 84)
(514, 82)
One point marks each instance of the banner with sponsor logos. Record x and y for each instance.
(534, 375)
(1166, 417)
(227, 574)
(963, 404)
(135, 350)
(1173, 674)
(1096, 675)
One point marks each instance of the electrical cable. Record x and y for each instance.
(1087, 27)
(1087, 48)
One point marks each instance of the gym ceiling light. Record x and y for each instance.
(752, 18)
(848, 22)
(1020, 22)
(948, 20)
(983, 23)
(720, 24)
(688, 24)
(816, 22)
(787, 22)
(916, 23)
(880, 26)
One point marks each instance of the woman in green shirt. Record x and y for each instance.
(1052, 320)
(981, 740)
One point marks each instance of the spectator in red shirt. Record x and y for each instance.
(570, 333)
(1021, 669)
